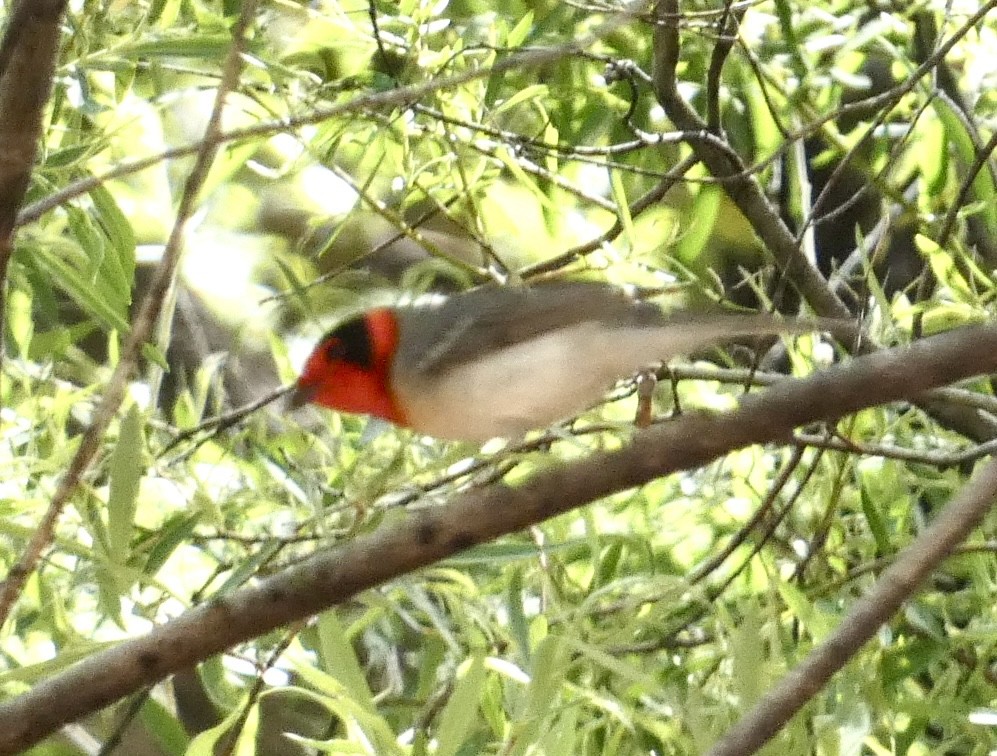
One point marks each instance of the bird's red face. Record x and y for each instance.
(350, 369)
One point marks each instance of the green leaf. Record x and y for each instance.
(818, 623)
(32, 673)
(786, 29)
(518, 34)
(366, 724)
(164, 12)
(608, 562)
(565, 737)
(518, 626)
(155, 355)
(618, 667)
(247, 569)
(926, 620)
(526, 94)
(747, 652)
(877, 524)
(204, 744)
(127, 465)
(119, 266)
(933, 156)
(175, 531)
(339, 659)
(164, 727)
(984, 190)
(460, 715)
(705, 211)
(501, 553)
(46, 346)
(85, 287)
(550, 667)
(19, 320)
(209, 46)
(623, 207)
(509, 161)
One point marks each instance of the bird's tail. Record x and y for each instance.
(684, 333)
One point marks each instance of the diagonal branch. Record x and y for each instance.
(426, 536)
(724, 163)
(897, 584)
(747, 194)
(27, 62)
(142, 327)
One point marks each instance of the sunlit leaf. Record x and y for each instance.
(127, 466)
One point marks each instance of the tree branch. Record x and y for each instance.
(746, 193)
(426, 536)
(27, 61)
(724, 163)
(897, 584)
(145, 320)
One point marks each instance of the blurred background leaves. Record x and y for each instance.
(607, 630)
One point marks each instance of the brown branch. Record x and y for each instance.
(897, 584)
(886, 99)
(740, 184)
(141, 329)
(702, 571)
(938, 458)
(27, 62)
(746, 193)
(727, 32)
(83, 186)
(537, 57)
(425, 536)
(373, 101)
(723, 162)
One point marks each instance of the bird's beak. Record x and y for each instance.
(300, 396)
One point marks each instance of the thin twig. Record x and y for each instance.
(723, 162)
(214, 426)
(428, 535)
(770, 527)
(145, 320)
(648, 200)
(730, 20)
(897, 584)
(980, 163)
(373, 101)
(713, 563)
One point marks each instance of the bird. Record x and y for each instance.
(501, 360)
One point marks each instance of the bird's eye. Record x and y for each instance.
(334, 349)
(349, 342)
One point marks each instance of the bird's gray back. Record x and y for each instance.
(462, 328)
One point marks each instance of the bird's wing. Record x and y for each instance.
(437, 338)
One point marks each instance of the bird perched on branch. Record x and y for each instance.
(498, 361)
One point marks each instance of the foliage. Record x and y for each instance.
(611, 629)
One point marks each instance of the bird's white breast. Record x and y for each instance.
(528, 385)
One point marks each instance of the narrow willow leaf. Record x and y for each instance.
(985, 192)
(518, 34)
(623, 207)
(339, 659)
(126, 473)
(460, 715)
